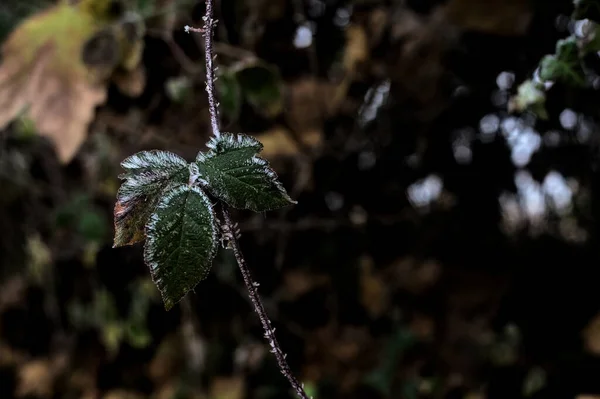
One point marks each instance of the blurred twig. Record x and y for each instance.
(326, 224)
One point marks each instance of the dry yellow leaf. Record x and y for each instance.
(37, 377)
(56, 66)
(278, 142)
(61, 107)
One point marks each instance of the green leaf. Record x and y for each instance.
(146, 175)
(233, 172)
(262, 87)
(93, 225)
(137, 335)
(230, 95)
(145, 7)
(588, 38)
(382, 377)
(530, 96)
(181, 241)
(565, 65)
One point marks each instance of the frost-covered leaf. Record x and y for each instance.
(147, 173)
(151, 161)
(181, 241)
(234, 173)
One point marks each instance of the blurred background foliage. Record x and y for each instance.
(444, 155)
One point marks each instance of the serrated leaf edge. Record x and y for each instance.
(230, 140)
(140, 162)
(143, 168)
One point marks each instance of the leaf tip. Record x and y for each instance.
(117, 241)
(286, 196)
(168, 304)
(289, 199)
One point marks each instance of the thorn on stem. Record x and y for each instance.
(189, 29)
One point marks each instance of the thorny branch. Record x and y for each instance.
(231, 236)
(230, 232)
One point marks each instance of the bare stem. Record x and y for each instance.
(230, 231)
(209, 57)
(259, 308)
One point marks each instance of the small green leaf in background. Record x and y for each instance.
(67, 215)
(101, 314)
(179, 89)
(137, 335)
(230, 95)
(233, 172)
(145, 7)
(112, 336)
(181, 241)
(262, 88)
(382, 377)
(146, 175)
(565, 65)
(92, 225)
(589, 38)
(311, 389)
(25, 128)
(81, 215)
(39, 258)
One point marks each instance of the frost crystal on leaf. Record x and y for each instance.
(235, 174)
(151, 161)
(181, 241)
(147, 173)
